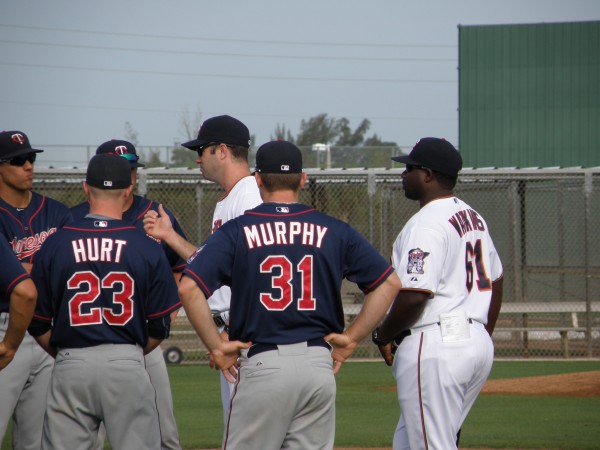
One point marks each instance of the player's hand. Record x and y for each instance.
(387, 352)
(342, 347)
(226, 357)
(6, 355)
(211, 362)
(158, 224)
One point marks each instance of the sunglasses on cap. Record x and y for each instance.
(129, 156)
(20, 160)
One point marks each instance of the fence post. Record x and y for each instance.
(587, 191)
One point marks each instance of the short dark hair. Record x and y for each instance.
(281, 181)
(446, 181)
(239, 152)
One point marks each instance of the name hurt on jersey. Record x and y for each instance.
(284, 233)
(98, 249)
(466, 220)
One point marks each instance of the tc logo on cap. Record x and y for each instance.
(18, 138)
(108, 183)
(285, 168)
(121, 150)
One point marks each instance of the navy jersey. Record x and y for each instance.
(285, 264)
(100, 282)
(26, 229)
(12, 273)
(135, 216)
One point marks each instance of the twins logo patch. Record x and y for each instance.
(196, 253)
(416, 261)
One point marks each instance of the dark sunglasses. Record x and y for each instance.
(21, 160)
(201, 149)
(411, 167)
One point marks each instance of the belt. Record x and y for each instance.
(218, 320)
(398, 339)
(260, 348)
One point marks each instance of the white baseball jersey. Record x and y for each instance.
(427, 256)
(244, 196)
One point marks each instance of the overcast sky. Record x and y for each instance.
(74, 72)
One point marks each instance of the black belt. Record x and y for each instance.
(398, 339)
(259, 348)
(219, 322)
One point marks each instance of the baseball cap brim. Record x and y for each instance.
(404, 159)
(193, 145)
(20, 152)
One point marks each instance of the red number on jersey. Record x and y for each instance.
(283, 282)
(474, 254)
(121, 310)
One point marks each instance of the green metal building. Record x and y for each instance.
(529, 95)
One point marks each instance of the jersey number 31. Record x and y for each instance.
(283, 282)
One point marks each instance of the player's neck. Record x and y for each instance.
(15, 198)
(232, 177)
(279, 196)
(428, 198)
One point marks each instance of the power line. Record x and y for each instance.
(250, 41)
(222, 54)
(207, 113)
(227, 75)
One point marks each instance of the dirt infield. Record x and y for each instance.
(578, 384)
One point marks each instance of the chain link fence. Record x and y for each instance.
(544, 223)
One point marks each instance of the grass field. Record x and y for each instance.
(367, 409)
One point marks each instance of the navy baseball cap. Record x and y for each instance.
(108, 171)
(15, 143)
(221, 129)
(122, 148)
(278, 157)
(435, 154)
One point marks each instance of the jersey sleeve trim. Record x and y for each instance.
(165, 312)
(14, 283)
(379, 280)
(145, 211)
(205, 290)
(38, 318)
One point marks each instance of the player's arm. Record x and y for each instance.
(376, 304)
(22, 306)
(159, 226)
(225, 353)
(405, 311)
(495, 304)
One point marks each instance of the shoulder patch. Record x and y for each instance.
(416, 261)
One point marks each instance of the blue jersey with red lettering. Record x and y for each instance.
(285, 264)
(26, 229)
(135, 216)
(100, 282)
(12, 273)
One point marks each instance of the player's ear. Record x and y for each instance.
(86, 189)
(303, 179)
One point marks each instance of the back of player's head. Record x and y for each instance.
(13, 144)
(108, 171)
(122, 148)
(278, 157)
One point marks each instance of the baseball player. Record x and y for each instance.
(17, 296)
(26, 220)
(135, 208)
(104, 299)
(445, 313)
(284, 262)
(222, 147)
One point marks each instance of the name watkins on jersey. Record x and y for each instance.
(466, 220)
(27, 246)
(98, 249)
(283, 233)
